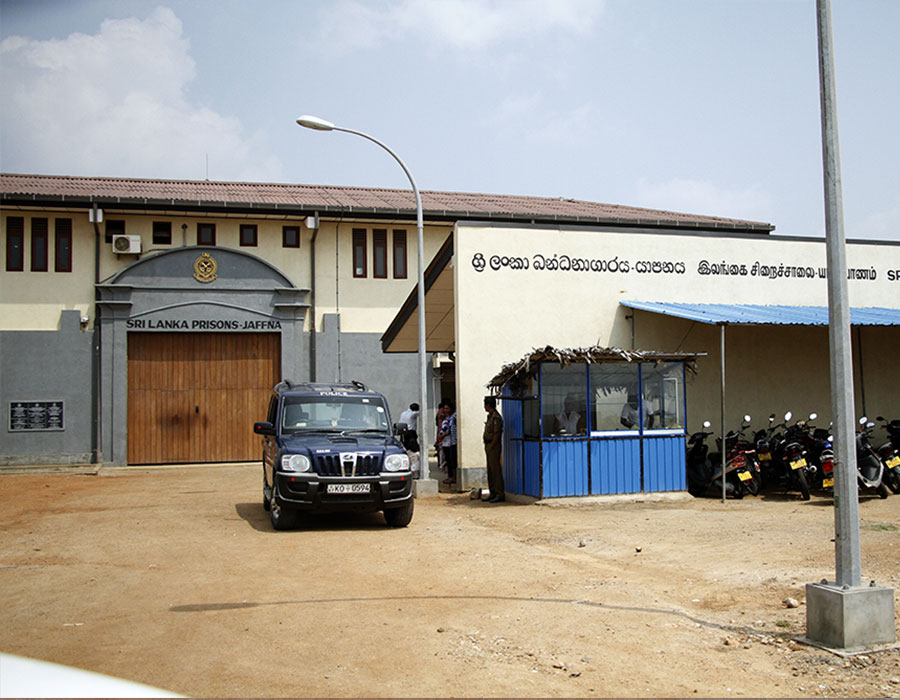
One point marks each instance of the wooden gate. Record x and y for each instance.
(193, 397)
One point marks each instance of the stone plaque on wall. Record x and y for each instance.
(36, 415)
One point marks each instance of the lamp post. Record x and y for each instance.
(424, 485)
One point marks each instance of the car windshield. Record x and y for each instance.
(339, 414)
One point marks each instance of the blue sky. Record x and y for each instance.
(702, 106)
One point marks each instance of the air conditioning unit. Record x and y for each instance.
(126, 245)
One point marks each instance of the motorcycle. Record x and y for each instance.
(889, 453)
(790, 465)
(821, 453)
(869, 467)
(704, 470)
(765, 440)
(741, 456)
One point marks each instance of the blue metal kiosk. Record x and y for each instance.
(593, 421)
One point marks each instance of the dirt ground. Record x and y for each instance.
(174, 578)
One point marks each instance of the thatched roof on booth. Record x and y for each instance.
(528, 365)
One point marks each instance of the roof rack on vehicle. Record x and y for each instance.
(287, 385)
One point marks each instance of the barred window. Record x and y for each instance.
(15, 244)
(249, 234)
(114, 227)
(162, 233)
(290, 236)
(39, 244)
(400, 271)
(63, 245)
(359, 253)
(379, 253)
(206, 234)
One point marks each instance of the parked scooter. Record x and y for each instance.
(704, 470)
(889, 453)
(869, 467)
(741, 456)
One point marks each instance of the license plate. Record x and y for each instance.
(798, 463)
(893, 462)
(827, 483)
(745, 476)
(765, 456)
(347, 488)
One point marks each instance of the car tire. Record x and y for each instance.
(399, 517)
(265, 499)
(282, 518)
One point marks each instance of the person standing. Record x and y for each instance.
(439, 422)
(493, 431)
(447, 438)
(410, 435)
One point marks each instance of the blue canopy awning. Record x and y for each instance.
(758, 314)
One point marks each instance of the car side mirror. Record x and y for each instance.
(264, 428)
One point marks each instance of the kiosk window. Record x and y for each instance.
(663, 386)
(563, 397)
(615, 396)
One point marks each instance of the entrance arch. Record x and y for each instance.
(192, 341)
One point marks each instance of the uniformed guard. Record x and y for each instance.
(493, 432)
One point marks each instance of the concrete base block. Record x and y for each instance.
(849, 618)
(472, 477)
(425, 488)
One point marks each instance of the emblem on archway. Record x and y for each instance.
(205, 268)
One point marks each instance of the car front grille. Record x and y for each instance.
(353, 465)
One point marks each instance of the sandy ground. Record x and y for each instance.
(174, 578)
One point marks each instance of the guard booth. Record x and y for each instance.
(593, 421)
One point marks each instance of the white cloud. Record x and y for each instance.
(705, 197)
(114, 103)
(350, 25)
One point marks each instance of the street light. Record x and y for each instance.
(319, 124)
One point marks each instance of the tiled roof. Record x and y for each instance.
(254, 196)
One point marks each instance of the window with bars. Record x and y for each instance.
(379, 253)
(249, 233)
(206, 234)
(360, 268)
(290, 236)
(63, 245)
(114, 227)
(399, 246)
(162, 233)
(15, 244)
(39, 244)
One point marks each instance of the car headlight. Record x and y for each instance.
(295, 463)
(396, 463)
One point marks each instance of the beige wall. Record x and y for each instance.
(33, 300)
(366, 305)
(503, 313)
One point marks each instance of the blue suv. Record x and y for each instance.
(330, 447)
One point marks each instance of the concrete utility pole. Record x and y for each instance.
(842, 614)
